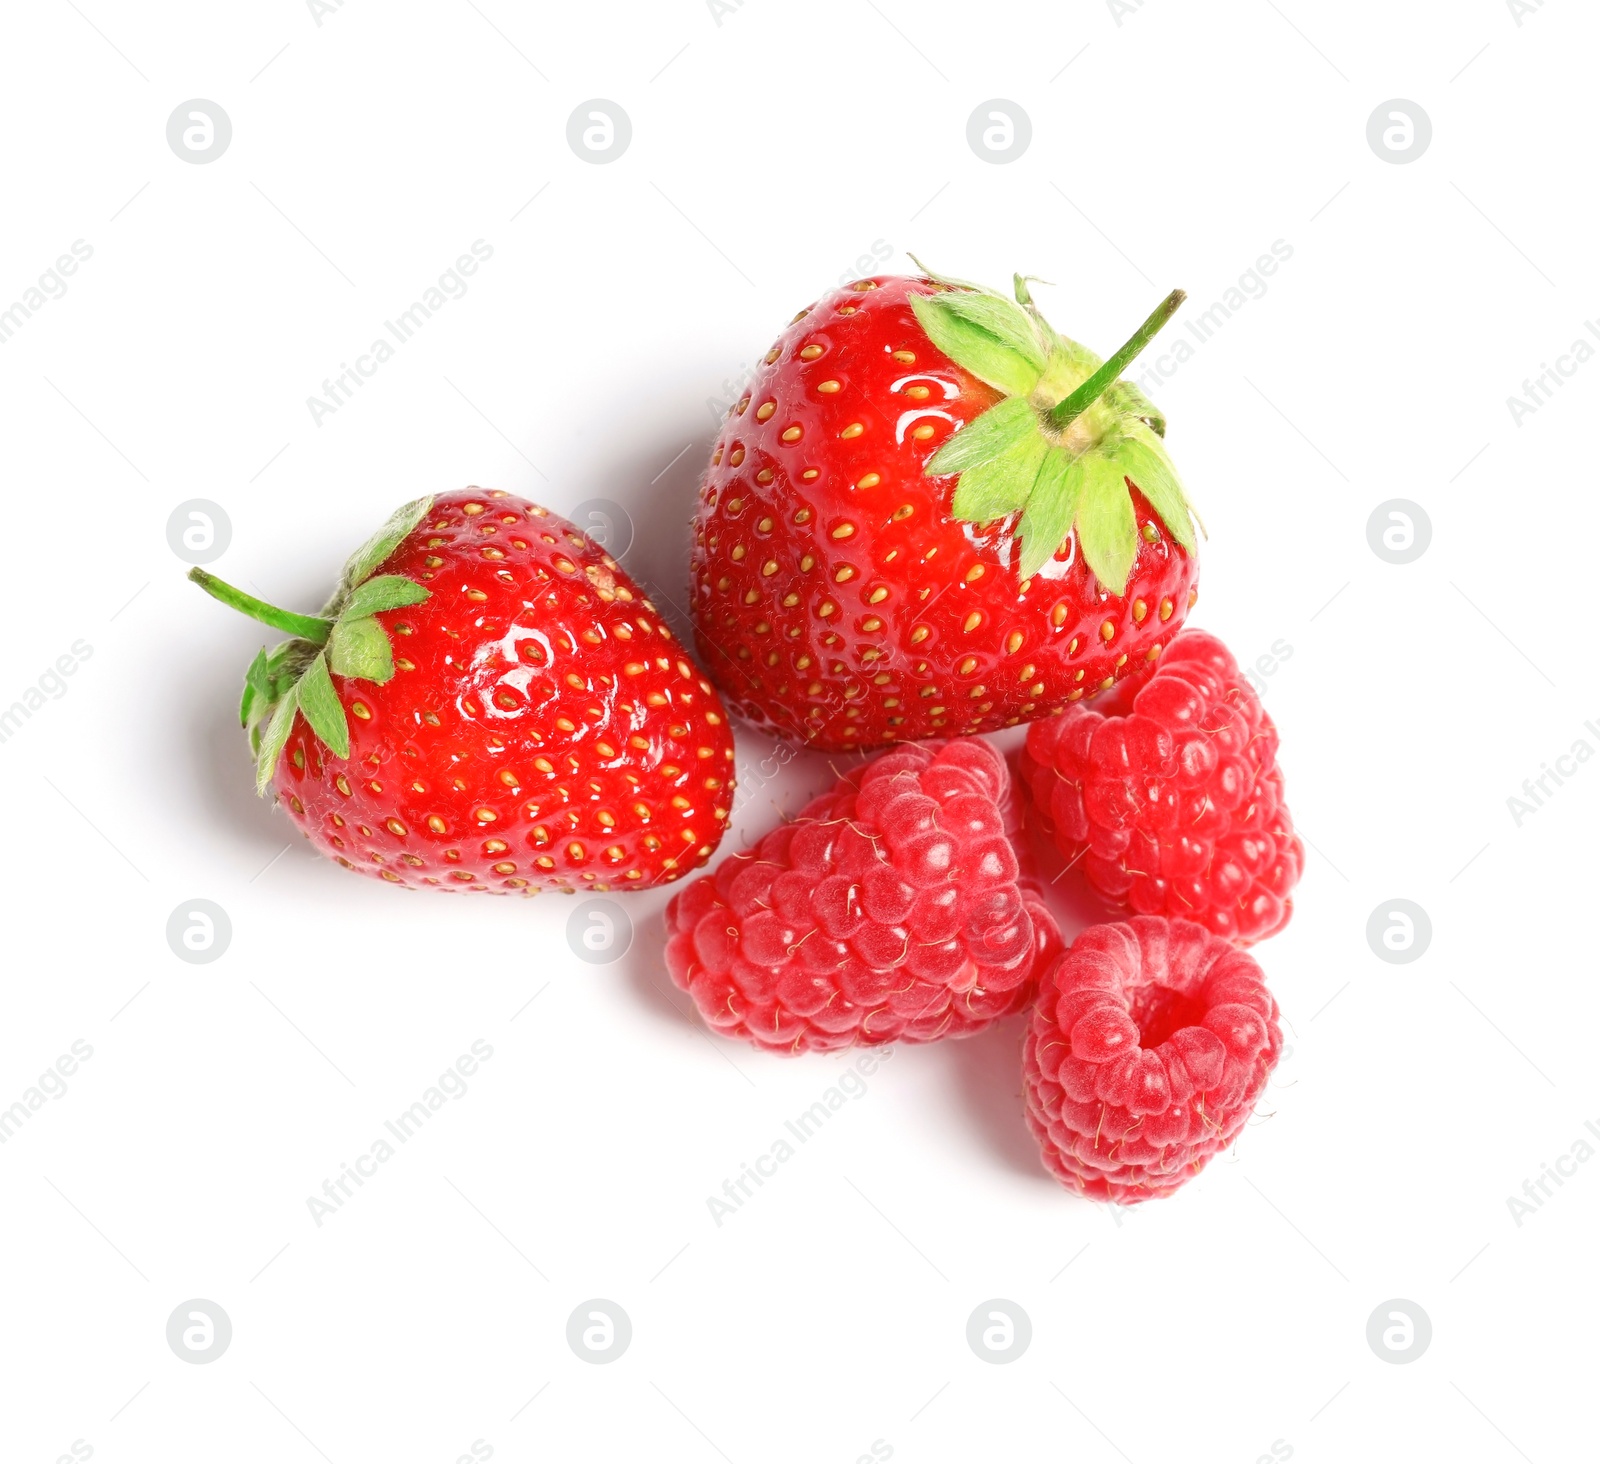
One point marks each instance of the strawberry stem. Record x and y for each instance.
(1079, 401)
(312, 628)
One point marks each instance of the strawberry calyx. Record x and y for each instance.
(1068, 443)
(345, 639)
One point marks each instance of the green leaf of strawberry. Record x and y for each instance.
(1128, 401)
(1069, 442)
(257, 688)
(322, 707)
(1107, 531)
(382, 592)
(345, 640)
(1047, 517)
(987, 334)
(362, 564)
(361, 648)
(1003, 483)
(272, 740)
(1141, 457)
(986, 437)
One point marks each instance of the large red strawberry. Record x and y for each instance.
(488, 703)
(931, 514)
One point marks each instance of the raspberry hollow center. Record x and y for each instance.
(1159, 1011)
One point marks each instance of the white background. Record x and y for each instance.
(769, 152)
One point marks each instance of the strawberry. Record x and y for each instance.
(488, 703)
(931, 515)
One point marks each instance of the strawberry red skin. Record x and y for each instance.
(461, 774)
(847, 612)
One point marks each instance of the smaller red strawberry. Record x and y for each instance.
(487, 702)
(1171, 800)
(1151, 1043)
(890, 910)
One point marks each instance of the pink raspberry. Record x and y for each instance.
(891, 909)
(1173, 805)
(1151, 1042)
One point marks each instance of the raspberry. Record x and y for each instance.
(1175, 806)
(891, 910)
(1151, 1042)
